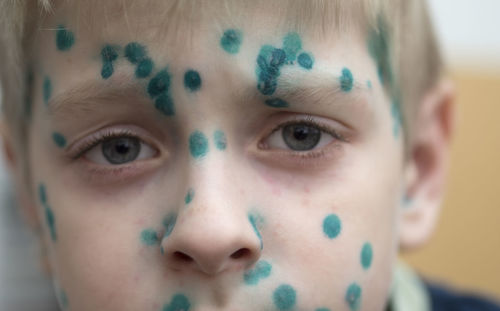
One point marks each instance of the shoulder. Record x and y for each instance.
(443, 299)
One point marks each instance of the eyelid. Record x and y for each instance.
(304, 119)
(79, 149)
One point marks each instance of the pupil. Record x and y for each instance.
(121, 150)
(301, 137)
(300, 133)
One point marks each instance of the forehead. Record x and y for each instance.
(182, 35)
(176, 19)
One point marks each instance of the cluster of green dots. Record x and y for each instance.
(199, 144)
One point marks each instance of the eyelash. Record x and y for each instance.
(309, 121)
(98, 138)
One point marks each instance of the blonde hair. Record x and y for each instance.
(404, 25)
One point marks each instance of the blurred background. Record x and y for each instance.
(464, 252)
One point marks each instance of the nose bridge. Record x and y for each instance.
(212, 232)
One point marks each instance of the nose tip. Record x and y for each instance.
(226, 248)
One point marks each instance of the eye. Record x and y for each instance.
(119, 150)
(300, 136)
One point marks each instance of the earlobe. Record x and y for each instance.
(427, 166)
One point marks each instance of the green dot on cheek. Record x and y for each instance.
(332, 226)
(149, 237)
(353, 297)
(284, 297)
(366, 255)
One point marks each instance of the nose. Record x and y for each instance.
(211, 240)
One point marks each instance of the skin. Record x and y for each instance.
(101, 209)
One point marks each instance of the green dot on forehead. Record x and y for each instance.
(109, 53)
(192, 80)
(346, 80)
(332, 226)
(64, 38)
(231, 41)
(159, 84)
(59, 139)
(135, 52)
(198, 144)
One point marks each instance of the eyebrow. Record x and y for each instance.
(92, 92)
(317, 85)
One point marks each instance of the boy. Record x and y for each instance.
(226, 155)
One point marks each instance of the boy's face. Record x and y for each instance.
(215, 167)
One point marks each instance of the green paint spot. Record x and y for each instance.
(109, 54)
(42, 194)
(276, 103)
(332, 226)
(192, 80)
(220, 140)
(165, 104)
(144, 68)
(59, 139)
(269, 62)
(198, 144)
(231, 41)
(50, 219)
(107, 70)
(305, 60)
(149, 237)
(369, 84)
(159, 84)
(178, 303)
(353, 296)
(135, 52)
(346, 80)
(64, 38)
(292, 44)
(254, 220)
(284, 297)
(366, 256)
(169, 224)
(189, 196)
(261, 271)
(47, 90)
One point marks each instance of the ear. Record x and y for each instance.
(17, 170)
(427, 165)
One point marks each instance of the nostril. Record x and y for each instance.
(241, 253)
(180, 256)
